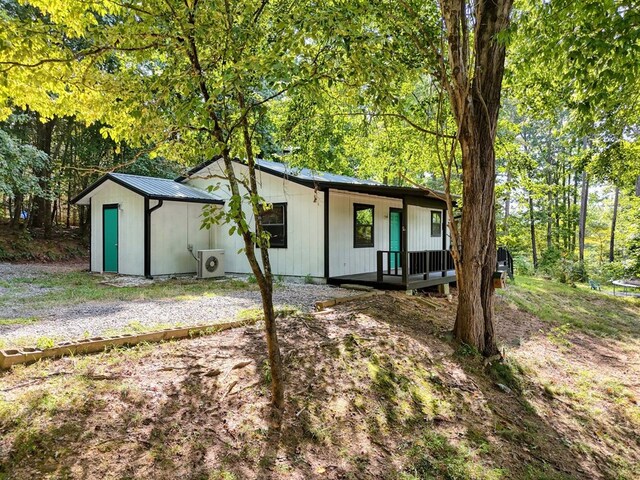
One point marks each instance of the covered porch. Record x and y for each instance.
(392, 238)
(426, 268)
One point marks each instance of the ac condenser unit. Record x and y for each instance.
(210, 263)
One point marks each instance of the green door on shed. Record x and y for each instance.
(110, 238)
(395, 234)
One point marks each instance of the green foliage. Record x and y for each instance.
(523, 265)
(18, 166)
(583, 54)
(632, 265)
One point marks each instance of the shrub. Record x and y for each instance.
(550, 262)
(523, 266)
(610, 271)
(577, 272)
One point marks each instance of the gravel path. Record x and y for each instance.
(96, 318)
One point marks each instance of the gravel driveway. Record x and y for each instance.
(96, 318)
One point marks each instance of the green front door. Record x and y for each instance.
(110, 238)
(395, 234)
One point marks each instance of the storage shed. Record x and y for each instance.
(144, 225)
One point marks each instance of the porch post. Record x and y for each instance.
(405, 245)
(326, 234)
(444, 243)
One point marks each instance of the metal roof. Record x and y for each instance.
(324, 180)
(309, 175)
(162, 187)
(155, 189)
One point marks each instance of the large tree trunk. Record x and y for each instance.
(612, 241)
(474, 92)
(532, 226)
(582, 227)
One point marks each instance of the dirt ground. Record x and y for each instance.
(375, 389)
(22, 245)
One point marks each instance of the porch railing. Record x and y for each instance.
(421, 262)
(504, 261)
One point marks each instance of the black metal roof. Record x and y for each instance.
(323, 180)
(309, 175)
(154, 189)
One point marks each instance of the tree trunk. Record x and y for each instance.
(507, 205)
(566, 185)
(41, 214)
(612, 241)
(264, 280)
(532, 225)
(266, 290)
(549, 214)
(574, 204)
(582, 227)
(474, 93)
(17, 210)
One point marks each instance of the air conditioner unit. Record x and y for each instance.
(210, 263)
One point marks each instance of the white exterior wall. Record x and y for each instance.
(344, 258)
(419, 233)
(174, 226)
(304, 254)
(130, 228)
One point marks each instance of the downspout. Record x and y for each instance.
(147, 235)
(90, 235)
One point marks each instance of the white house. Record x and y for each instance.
(332, 227)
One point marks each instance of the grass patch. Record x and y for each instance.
(70, 288)
(434, 456)
(580, 308)
(18, 321)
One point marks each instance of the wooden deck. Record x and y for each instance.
(391, 282)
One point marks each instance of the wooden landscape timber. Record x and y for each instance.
(10, 357)
(337, 301)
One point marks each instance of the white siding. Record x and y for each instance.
(419, 232)
(304, 254)
(130, 228)
(344, 258)
(174, 226)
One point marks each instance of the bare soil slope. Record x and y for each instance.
(375, 389)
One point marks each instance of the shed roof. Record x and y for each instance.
(154, 189)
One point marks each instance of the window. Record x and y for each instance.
(362, 225)
(436, 224)
(274, 221)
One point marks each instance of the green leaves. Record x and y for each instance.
(18, 164)
(584, 55)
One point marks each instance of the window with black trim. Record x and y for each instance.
(274, 221)
(436, 224)
(362, 225)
